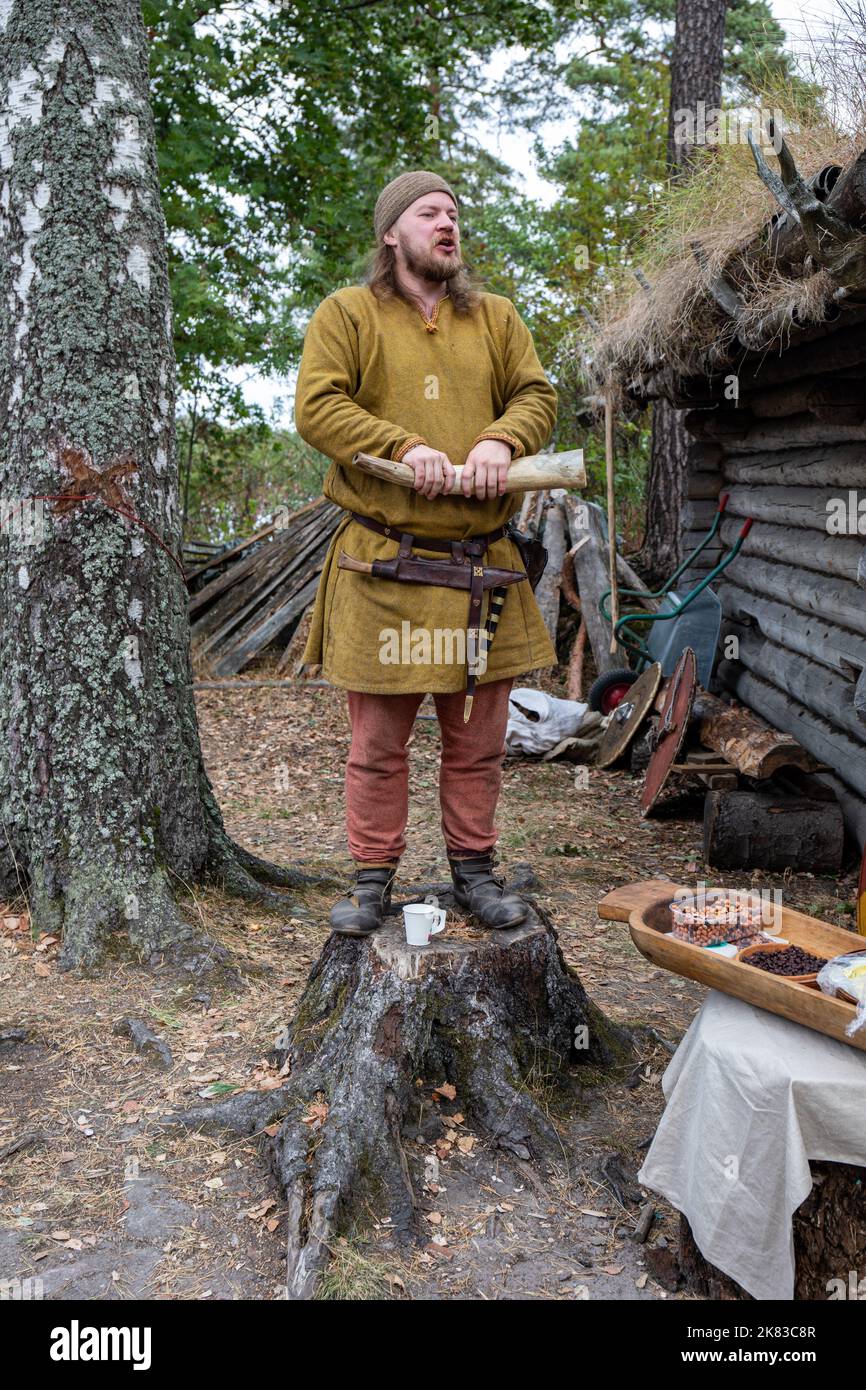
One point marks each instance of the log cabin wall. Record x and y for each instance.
(793, 442)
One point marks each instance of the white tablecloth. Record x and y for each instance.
(750, 1099)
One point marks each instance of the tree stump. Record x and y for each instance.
(498, 1015)
(829, 1242)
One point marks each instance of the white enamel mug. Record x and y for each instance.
(422, 920)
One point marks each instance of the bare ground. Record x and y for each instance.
(100, 1199)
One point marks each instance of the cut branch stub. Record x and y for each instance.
(721, 289)
(380, 1024)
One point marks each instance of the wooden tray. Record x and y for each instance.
(645, 907)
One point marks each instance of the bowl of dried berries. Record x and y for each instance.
(778, 958)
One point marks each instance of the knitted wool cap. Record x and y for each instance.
(401, 192)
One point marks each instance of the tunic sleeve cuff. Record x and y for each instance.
(406, 446)
(516, 446)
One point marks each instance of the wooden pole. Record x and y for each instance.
(611, 515)
(524, 475)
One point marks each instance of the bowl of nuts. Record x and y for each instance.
(717, 916)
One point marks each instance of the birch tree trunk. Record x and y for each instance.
(696, 76)
(104, 802)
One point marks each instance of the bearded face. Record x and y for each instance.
(426, 238)
(438, 261)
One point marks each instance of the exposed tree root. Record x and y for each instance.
(245, 1113)
(500, 1017)
(96, 905)
(277, 874)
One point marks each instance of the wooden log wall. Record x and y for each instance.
(786, 452)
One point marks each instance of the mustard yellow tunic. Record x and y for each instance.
(373, 379)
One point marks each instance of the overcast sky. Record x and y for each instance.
(806, 22)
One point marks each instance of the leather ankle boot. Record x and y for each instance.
(477, 888)
(364, 908)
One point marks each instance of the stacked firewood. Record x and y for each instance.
(574, 534)
(260, 589)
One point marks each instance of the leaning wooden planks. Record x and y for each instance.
(262, 595)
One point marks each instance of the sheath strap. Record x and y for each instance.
(471, 550)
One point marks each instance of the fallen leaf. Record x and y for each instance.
(446, 1091)
(466, 1144)
(435, 1218)
(217, 1088)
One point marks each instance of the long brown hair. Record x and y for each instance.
(381, 278)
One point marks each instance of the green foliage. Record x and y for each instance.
(277, 124)
(241, 473)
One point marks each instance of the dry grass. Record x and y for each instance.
(723, 205)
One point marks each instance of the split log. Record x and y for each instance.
(547, 589)
(632, 580)
(814, 686)
(590, 567)
(524, 474)
(380, 1024)
(839, 465)
(825, 642)
(291, 657)
(287, 542)
(752, 747)
(269, 624)
(814, 551)
(829, 1233)
(574, 690)
(261, 597)
(228, 556)
(526, 508)
(773, 830)
(823, 739)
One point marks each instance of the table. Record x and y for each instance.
(751, 1097)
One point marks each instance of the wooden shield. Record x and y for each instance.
(673, 722)
(628, 716)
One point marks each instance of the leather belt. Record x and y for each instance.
(462, 571)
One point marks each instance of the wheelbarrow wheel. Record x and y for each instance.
(606, 691)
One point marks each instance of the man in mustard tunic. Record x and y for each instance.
(417, 366)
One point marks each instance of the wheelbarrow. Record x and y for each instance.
(690, 618)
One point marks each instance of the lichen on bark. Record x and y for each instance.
(104, 801)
